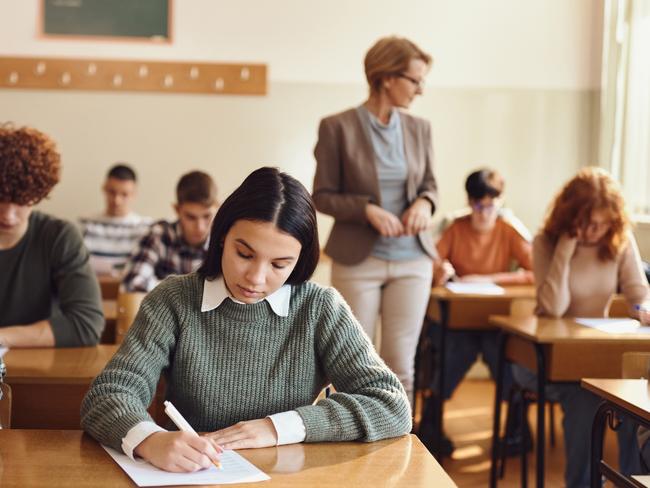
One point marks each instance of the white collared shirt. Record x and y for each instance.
(288, 425)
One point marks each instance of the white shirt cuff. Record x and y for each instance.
(289, 427)
(137, 434)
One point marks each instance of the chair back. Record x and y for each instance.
(5, 406)
(522, 307)
(109, 286)
(128, 304)
(619, 307)
(635, 365)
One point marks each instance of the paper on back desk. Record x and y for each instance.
(475, 288)
(614, 325)
(236, 469)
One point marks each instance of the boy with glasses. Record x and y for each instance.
(480, 247)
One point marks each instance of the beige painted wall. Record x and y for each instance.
(537, 138)
(514, 85)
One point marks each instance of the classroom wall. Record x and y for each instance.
(515, 85)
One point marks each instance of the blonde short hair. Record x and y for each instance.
(390, 56)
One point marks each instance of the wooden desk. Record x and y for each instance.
(628, 397)
(70, 458)
(466, 311)
(557, 350)
(49, 384)
(470, 310)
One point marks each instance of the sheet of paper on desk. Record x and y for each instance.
(643, 479)
(3, 350)
(475, 288)
(614, 326)
(236, 469)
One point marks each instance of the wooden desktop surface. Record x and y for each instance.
(631, 394)
(471, 310)
(48, 384)
(70, 458)
(572, 351)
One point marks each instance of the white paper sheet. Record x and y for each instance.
(643, 479)
(3, 350)
(235, 469)
(615, 325)
(475, 288)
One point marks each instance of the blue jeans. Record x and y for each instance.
(461, 351)
(579, 407)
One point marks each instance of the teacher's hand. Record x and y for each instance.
(384, 222)
(417, 217)
(179, 452)
(247, 434)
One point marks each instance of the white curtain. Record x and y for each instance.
(625, 99)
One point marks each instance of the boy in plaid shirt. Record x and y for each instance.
(175, 247)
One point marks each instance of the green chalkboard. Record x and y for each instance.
(107, 18)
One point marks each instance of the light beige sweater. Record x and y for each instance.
(571, 280)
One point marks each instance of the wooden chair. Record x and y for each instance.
(109, 286)
(619, 307)
(5, 406)
(127, 308)
(635, 365)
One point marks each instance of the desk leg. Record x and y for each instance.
(438, 396)
(541, 403)
(498, 397)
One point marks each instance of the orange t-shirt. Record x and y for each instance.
(472, 252)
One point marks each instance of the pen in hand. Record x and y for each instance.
(182, 424)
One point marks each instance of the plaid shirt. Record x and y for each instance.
(160, 253)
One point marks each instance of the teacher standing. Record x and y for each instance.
(374, 176)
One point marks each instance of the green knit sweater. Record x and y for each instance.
(241, 362)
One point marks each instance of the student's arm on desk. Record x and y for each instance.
(369, 403)
(38, 334)
(443, 270)
(77, 318)
(551, 270)
(633, 283)
(518, 277)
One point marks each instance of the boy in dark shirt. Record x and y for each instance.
(49, 295)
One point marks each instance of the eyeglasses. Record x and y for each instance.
(419, 84)
(491, 207)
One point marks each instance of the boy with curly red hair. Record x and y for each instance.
(49, 295)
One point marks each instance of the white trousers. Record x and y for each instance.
(398, 291)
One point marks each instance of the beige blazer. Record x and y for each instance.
(346, 180)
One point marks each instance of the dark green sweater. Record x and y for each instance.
(46, 276)
(241, 362)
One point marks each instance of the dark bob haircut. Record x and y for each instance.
(268, 195)
(483, 183)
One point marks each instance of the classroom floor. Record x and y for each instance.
(468, 422)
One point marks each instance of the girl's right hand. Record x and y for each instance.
(384, 222)
(178, 452)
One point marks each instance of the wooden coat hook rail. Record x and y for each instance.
(123, 75)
